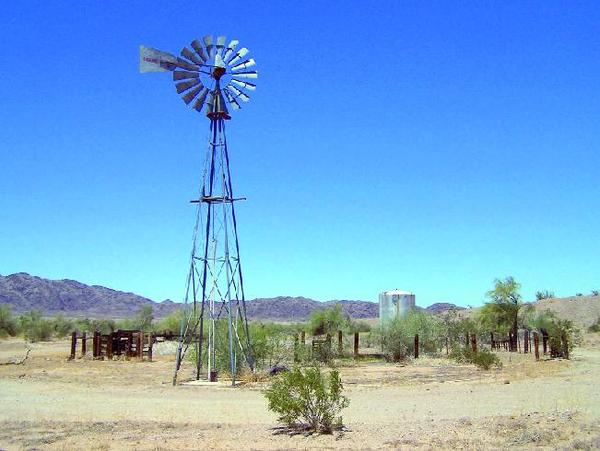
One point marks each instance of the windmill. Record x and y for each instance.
(210, 76)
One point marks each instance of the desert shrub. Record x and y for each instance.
(483, 359)
(34, 327)
(308, 399)
(544, 294)
(327, 321)
(354, 326)
(8, 324)
(563, 336)
(399, 334)
(171, 322)
(62, 326)
(595, 292)
(271, 344)
(595, 327)
(578, 294)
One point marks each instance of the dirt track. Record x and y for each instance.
(51, 403)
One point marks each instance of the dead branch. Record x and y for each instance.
(17, 362)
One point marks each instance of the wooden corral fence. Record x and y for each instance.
(120, 343)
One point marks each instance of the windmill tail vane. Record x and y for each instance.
(213, 76)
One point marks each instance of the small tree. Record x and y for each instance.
(327, 321)
(8, 325)
(504, 307)
(144, 318)
(34, 327)
(308, 399)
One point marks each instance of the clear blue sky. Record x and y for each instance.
(427, 146)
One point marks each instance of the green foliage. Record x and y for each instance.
(8, 324)
(579, 295)
(307, 398)
(34, 327)
(62, 326)
(354, 326)
(484, 358)
(595, 292)
(172, 322)
(595, 327)
(501, 314)
(563, 336)
(399, 334)
(544, 294)
(270, 344)
(144, 318)
(327, 321)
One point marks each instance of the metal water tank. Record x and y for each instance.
(395, 303)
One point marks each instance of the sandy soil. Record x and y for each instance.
(52, 403)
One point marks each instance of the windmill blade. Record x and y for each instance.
(187, 53)
(239, 55)
(184, 74)
(197, 46)
(219, 61)
(199, 103)
(186, 65)
(208, 39)
(244, 65)
(239, 94)
(220, 43)
(192, 93)
(185, 85)
(234, 103)
(244, 84)
(229, 50)
(251, 74)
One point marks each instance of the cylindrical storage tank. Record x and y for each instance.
(395, 303)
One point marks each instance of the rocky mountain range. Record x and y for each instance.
(24, 292)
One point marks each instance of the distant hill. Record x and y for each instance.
(440, 307)
(25, 292)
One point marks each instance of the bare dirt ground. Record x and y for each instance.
(52, 403)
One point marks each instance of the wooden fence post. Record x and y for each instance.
(97, 344)
(303, 338)
(416, 346)
(109, 346)
(150, 344)
(474, 343)
(545, 343)
(340, 343)
(83, 344)
(140, 345)
(73, 345)
(447, 347)
(296, 359)
(492, 341)
(356, 344)
(526, 342)
(536, 345)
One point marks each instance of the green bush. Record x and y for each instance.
(34, 327)
(398, 336)
(62, 326)
(308, 399)
(483, 359)
(595, 327)
(271, 344)
(328, 321)
(563, 336)
(8, 324)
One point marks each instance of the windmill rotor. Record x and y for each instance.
(211, 64)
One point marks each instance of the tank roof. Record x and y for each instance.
(397, 292)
